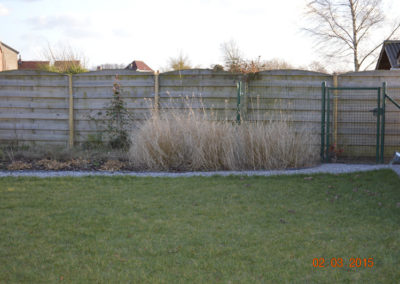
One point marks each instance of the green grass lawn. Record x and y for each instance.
(219, 229)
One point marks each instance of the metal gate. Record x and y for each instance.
(352, 124)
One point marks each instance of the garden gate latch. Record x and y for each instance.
(377, 111)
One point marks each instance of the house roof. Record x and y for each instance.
(9, 47)
(389, 57)
(138, 65)
(32, 65)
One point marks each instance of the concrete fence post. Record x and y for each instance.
(71, 113)
(156, 91)
(245, 99)
(335, 108)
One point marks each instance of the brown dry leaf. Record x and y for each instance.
(79, 163)
(19, 165)
(112, 165)
(308, 178)
(53, 164)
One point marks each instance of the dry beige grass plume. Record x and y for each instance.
(188, 142)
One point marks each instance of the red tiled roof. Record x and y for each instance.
(138, 65)
(32, 65)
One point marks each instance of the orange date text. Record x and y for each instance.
(352, 262)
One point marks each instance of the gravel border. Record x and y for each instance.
(323, 168)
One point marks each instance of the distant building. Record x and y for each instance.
(32, 65)
(389, 58)
(139, 66)
(8, 57)
(110, 66)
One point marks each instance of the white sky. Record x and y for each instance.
(120, 31)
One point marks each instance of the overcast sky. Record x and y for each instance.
(120, 31)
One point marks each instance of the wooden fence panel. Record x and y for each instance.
(292, 95)
(93, 93)
(211, 93)
(33, 107)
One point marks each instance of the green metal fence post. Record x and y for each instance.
(328, 110)
(378, 126)
(239, 91)
(323, 90)
(383, 122)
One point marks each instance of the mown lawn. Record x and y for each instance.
(219, 229)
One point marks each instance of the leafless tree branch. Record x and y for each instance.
(347, 25)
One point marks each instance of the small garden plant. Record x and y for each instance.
(117, 119)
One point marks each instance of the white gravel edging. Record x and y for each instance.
(323, 168)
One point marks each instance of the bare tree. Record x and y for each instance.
(235, 61)
(258, 65)
(217, 67)
(232, 55)
(344, 28)
(180, 62)
(316, 66)
(277, 64)
(64, 59)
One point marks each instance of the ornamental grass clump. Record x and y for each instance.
(192, 142)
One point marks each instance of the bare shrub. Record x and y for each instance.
(237, 63)
(53, 165)
(180, 62)
(79, 163)
(276, 145)
(112, 166)
(64, 59)
(19, 165)
(186, 142)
